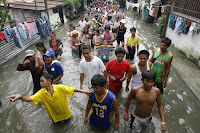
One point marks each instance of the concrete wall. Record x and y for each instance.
(186, 43)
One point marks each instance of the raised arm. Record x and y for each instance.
(116, 110)
(13, 98)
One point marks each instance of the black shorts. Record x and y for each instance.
(120, 39)
(159, 86)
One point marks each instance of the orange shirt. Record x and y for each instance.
(54, 45)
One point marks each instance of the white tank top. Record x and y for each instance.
(136, 79)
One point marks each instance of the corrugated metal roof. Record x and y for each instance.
(31, 5)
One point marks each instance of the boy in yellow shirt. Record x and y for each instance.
(53, 98)
(131, 43)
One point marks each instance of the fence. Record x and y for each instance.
(189, 9)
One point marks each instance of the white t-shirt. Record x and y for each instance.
(82, 25)
(92, 68)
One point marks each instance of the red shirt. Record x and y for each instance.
(118, 71)
(54, 45)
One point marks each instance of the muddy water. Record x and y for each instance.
(181, 106)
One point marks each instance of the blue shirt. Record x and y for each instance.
(101, 114)
(55, 69)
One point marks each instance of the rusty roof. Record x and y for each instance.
(31, 5)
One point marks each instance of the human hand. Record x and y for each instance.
(81, 87)
(13, 97)
(89, 91)
(86, 120)
(60, 47)
(163, 128)
(126, 117)
(164, 83)
(45, 72)
(112, 78)
(127, 52)
(122, 79)
(127, 88)
(116, 126)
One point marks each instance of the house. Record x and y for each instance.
(28, 10)
(188, 43)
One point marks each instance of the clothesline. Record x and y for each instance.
(182, 15)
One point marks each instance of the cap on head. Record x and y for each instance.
(29, 53)
(122, 21)
(53, 34)
(49, 53)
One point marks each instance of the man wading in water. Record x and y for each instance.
(145, 96)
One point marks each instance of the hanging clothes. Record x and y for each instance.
(174, 23)
(197, 29)
(44, 27)
(179, 22)
(16, 37)
(22, 32)
(2, 38)
(183, 25)
(6, 36)
(171, 20)
(192, 27)
(32, 27)
(187, 26)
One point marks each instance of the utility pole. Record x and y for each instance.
(46, 8)
(168, 10)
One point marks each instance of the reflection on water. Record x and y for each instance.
(181, 106)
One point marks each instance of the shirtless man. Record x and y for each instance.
(134, 74)
(145, 96)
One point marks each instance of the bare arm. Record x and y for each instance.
(58, 78)
(81, 80)
(167, 72)
(13, 98)
(88, 107)
(137, 49)
(116, 110)
(83, 91)
(130, 73)
(161, 112)
(128, 102)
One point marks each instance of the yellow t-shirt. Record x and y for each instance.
(56, 106)
(133, 42)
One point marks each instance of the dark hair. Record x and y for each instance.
(48, 77)
(120, 50)
(107, 27)
(145, 52)
(133, 29)
(98, 80)
(87, 32)
(148, 74)
(166, 40)
(41, 44)
(97, 31)
(114, 30)
(84, 47)
(93, 29)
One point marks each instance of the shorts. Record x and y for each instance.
(138, 124)
(115, 90)
(120, 39)
(159, 86)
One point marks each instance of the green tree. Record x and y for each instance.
(4, 14)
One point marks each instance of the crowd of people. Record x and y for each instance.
(148, 77)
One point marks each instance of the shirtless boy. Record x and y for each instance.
(145, 96)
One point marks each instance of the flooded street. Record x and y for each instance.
(180, 104)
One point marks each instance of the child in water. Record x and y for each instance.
(105, 50)
(102, 104)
